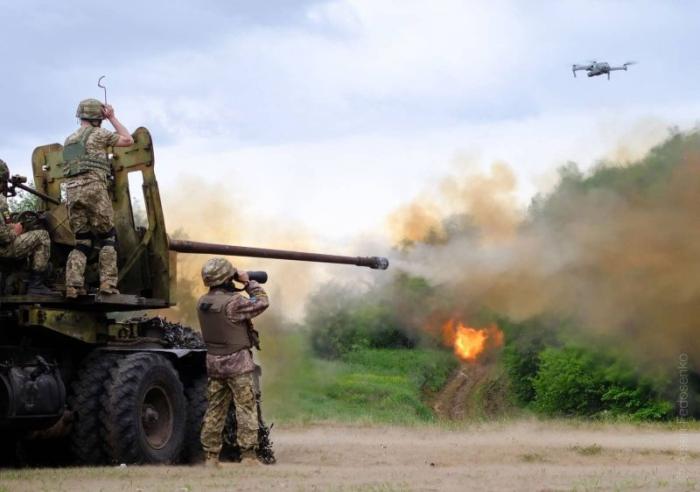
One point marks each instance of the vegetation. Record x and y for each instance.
(369, 353)
(366, 384)
(24, 201)
(575, 381)
(342, 320)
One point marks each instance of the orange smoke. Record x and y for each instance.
(469, 343)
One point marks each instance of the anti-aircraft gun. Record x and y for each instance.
(85, 374)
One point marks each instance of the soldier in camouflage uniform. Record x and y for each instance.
(15, 243)
(225, 317)
(87, 168)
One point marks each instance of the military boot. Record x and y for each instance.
(211, 460)
(108, 289)
(250, 458)
(74, 292)
(36, 285)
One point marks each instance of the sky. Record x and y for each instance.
(331, 114)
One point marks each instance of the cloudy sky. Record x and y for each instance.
(330, 114)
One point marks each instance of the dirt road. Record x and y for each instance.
(510, 456)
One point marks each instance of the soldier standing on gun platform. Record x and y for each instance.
(87, 169)
(225, 317)
(15, 243)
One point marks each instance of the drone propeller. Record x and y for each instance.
(629, 63)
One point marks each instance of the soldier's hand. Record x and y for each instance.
(242, 276)
(18, 228)
(108, 111)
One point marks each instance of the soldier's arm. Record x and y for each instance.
(125, 138)
(241, 308)
(8, 231)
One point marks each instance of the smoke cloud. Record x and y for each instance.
(206, 212)
(615, 251)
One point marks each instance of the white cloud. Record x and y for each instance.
(334, 118)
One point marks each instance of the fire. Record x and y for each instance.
(469, 343)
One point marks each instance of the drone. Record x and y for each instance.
(595, 68)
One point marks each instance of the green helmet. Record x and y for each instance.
(4, 172)
(217, 271)
(90, 109)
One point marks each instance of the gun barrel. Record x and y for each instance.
(181, 246)
(41, 195)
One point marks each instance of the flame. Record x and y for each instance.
(469, 343)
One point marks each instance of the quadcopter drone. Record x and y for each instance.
(595, 68)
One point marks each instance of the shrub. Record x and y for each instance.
(341, 319)
(521, 355)
(574, 381)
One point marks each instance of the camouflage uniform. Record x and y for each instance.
(90, 212)
(35, 245)
(232, 377)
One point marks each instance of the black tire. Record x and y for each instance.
(54, 452)
(144, 411)
(196, 394)
(84, 400)
(8, 451)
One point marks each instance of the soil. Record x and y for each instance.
(521, 455)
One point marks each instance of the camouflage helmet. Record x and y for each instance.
(90, 109)
(217, 271)
(4, 172)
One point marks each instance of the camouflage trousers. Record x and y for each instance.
(35, 245)
(90, 212)
(240, 390)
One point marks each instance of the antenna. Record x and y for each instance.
(99, 84)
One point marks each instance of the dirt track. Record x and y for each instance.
(513, 456)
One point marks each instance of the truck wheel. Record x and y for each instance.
(144, 412)
(8, 450)
(196, 394)
(84, 401)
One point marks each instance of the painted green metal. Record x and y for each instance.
(85, 326)
(147, 259)
(143, 252)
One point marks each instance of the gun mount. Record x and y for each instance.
(84, 364)
(147, 255)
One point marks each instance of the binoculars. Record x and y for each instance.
(259, 277)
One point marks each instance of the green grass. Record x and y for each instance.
(592, 450)
(367, 385)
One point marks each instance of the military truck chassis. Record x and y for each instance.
(104, 391)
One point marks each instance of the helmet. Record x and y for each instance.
(90, 109)
(217, 271)
(4, 172)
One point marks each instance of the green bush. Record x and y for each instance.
(342, 320)
(521, 355)
(573, 381)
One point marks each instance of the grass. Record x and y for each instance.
(592, 450)
(368, 385)
(532, 458)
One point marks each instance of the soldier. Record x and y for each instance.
(15, 243)
(225, 317)
(87, 169)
